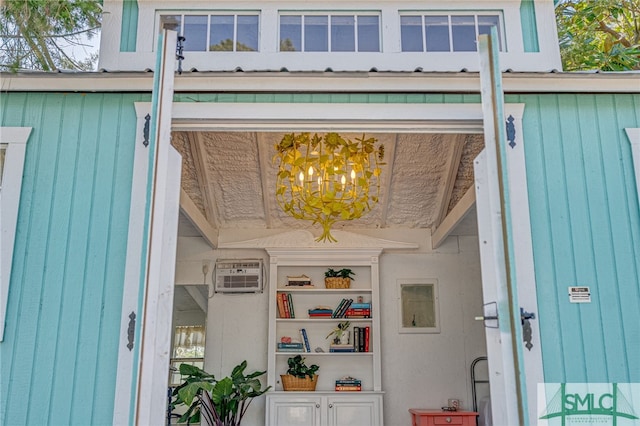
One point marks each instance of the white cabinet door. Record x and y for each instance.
(298, 411)
(356, 410)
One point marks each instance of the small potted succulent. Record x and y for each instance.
(338, 279)
(299, 377)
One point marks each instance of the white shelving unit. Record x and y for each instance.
(325, 403)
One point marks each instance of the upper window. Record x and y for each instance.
(329, 33)
(215, 33)
(445, 33)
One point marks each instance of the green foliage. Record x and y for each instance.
(339, 330)
(343, 273)
(227, 46)
(298, 368)
(35, 33)
(599, 34)
(230, 397)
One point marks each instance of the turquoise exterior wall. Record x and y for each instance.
(129, 32)
(585, 221)
(529, 26)
(59, 357)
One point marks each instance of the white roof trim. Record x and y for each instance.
(371, 82)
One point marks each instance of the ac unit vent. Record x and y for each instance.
(238, 276)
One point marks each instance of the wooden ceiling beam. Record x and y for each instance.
(453, 163)
(390, 154)
(199, 154)
(195, 216)
(263, 163)
(454, 217)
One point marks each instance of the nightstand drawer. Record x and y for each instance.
(448, 420)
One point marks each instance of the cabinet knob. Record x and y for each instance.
(448, 419)
(330, 405)
(317, 405)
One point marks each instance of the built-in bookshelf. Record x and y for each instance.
(308, 305)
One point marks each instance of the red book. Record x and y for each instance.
(281, 312)
(366, 339)
(285, 303)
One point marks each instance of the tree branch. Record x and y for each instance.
(619, 37)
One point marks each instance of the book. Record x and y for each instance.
(302, 280)
(348, 388)
(305, 338)
(344, 308)
(338, 308)
(366, 339)
(291, 350)
(290, 345)
(290, 301)
(357, 305)
(285, 303)
(356, 339)
(281, 312)
(361, 332)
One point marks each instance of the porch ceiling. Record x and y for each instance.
(228, 182)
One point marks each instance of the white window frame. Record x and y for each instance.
(15, 140)
(330, 15)
(208, 14)
(449, 14)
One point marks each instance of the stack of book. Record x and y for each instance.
(301, 281)
(358, 310)
(342, 307)
(348, 384)
(285, 305)
(320, 312)
(290, 347)
(361, 339)
(341, 348)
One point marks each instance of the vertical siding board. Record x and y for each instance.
(558, 197)
(66, 355)
(578, 143)
(28, 320)
(543, 253)
(63, 136)
(96, 263)
(122, 173)
(623, 249)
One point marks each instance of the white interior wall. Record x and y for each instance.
(418, 370)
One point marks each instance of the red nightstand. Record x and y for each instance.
(424, 417)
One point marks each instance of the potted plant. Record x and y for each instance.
(339, 331)
(299, 377)
(338, 279)
(222, 402)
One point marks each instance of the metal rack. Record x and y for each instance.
(474, 381)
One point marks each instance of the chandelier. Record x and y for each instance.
(327, 178)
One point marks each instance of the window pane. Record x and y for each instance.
(290, 33)
(221, 38)
(485, 23)
(343, 35)
(463, 29)
(171, 22)
(368, 34)
(411, 33)
(195, 33)
(316, 33)
(247, 33)
(437, 33)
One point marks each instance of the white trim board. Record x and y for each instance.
(16, 140)
(634, 140)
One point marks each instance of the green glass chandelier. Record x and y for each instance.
(327, 178)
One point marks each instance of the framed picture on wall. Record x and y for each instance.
(418, 305)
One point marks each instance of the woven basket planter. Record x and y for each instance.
(293, 383)
(337, 282)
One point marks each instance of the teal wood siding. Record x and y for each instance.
(529, 26)
(129, 31)
(61, 341)
(585, 222)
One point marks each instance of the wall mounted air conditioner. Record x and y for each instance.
(238, 276)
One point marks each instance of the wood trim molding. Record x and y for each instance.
(634, 140)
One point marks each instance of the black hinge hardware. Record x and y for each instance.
(511, 131)
(179, 50)
(145, 131)
(131, 330)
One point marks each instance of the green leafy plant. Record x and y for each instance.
(343, 273)
(229, 398)
(298, 368)
(339, 330)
